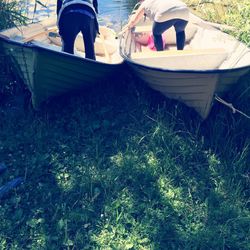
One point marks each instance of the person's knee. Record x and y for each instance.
(180, 33)
(156, 29)
(156, 32)
(180, 26)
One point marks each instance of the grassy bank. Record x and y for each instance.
(121, 167)
(230, 12)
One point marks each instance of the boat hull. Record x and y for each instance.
(194, 89)
(49, 73)
(210, 64)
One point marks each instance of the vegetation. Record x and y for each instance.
(230, 12)
(121, 167)
(11, 14)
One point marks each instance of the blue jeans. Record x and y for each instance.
(159, 28)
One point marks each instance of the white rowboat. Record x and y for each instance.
(210, 64)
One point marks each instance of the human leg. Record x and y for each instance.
(158, 29)
(180, 26)
(68, 30)
(180, 38)
(88, 29)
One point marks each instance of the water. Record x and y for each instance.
(115, 11)
(112, 13)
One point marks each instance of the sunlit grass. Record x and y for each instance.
(233, 13)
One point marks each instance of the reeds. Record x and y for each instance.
(11, 14)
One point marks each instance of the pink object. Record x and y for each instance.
(151, 44)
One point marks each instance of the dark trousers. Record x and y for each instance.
(159, 28)
(71, 23)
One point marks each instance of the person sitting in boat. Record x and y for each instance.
(165, 14)
(74, 16)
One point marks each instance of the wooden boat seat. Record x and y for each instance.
(193, 59)
(102, 46)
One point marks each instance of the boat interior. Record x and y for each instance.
(206, 48)
(45, 34)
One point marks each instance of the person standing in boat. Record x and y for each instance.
(74, 16)
(165, 14)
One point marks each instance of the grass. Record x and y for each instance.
(230, 12)
(119, 166)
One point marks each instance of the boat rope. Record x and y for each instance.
(230, 105)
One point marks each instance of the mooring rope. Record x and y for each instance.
(230, 105)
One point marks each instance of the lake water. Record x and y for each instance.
(113, 13)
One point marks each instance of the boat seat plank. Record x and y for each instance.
(102, 46)
(42, 32)
(173, 52)
(143, 28)
(192, 59)
(24, 31)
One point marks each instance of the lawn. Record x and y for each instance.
(119, 166)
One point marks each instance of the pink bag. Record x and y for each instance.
(151, 44)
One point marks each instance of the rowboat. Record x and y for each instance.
(210, 64)
(35, 53)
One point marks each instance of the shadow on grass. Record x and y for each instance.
(118, 166)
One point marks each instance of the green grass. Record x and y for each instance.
(230, 12)
(119, 166)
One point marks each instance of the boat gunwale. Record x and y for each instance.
(205, 71)
(126, 59)
(36, 46)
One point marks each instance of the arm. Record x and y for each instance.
(95, 3)
(135, 18)
(58, 6)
